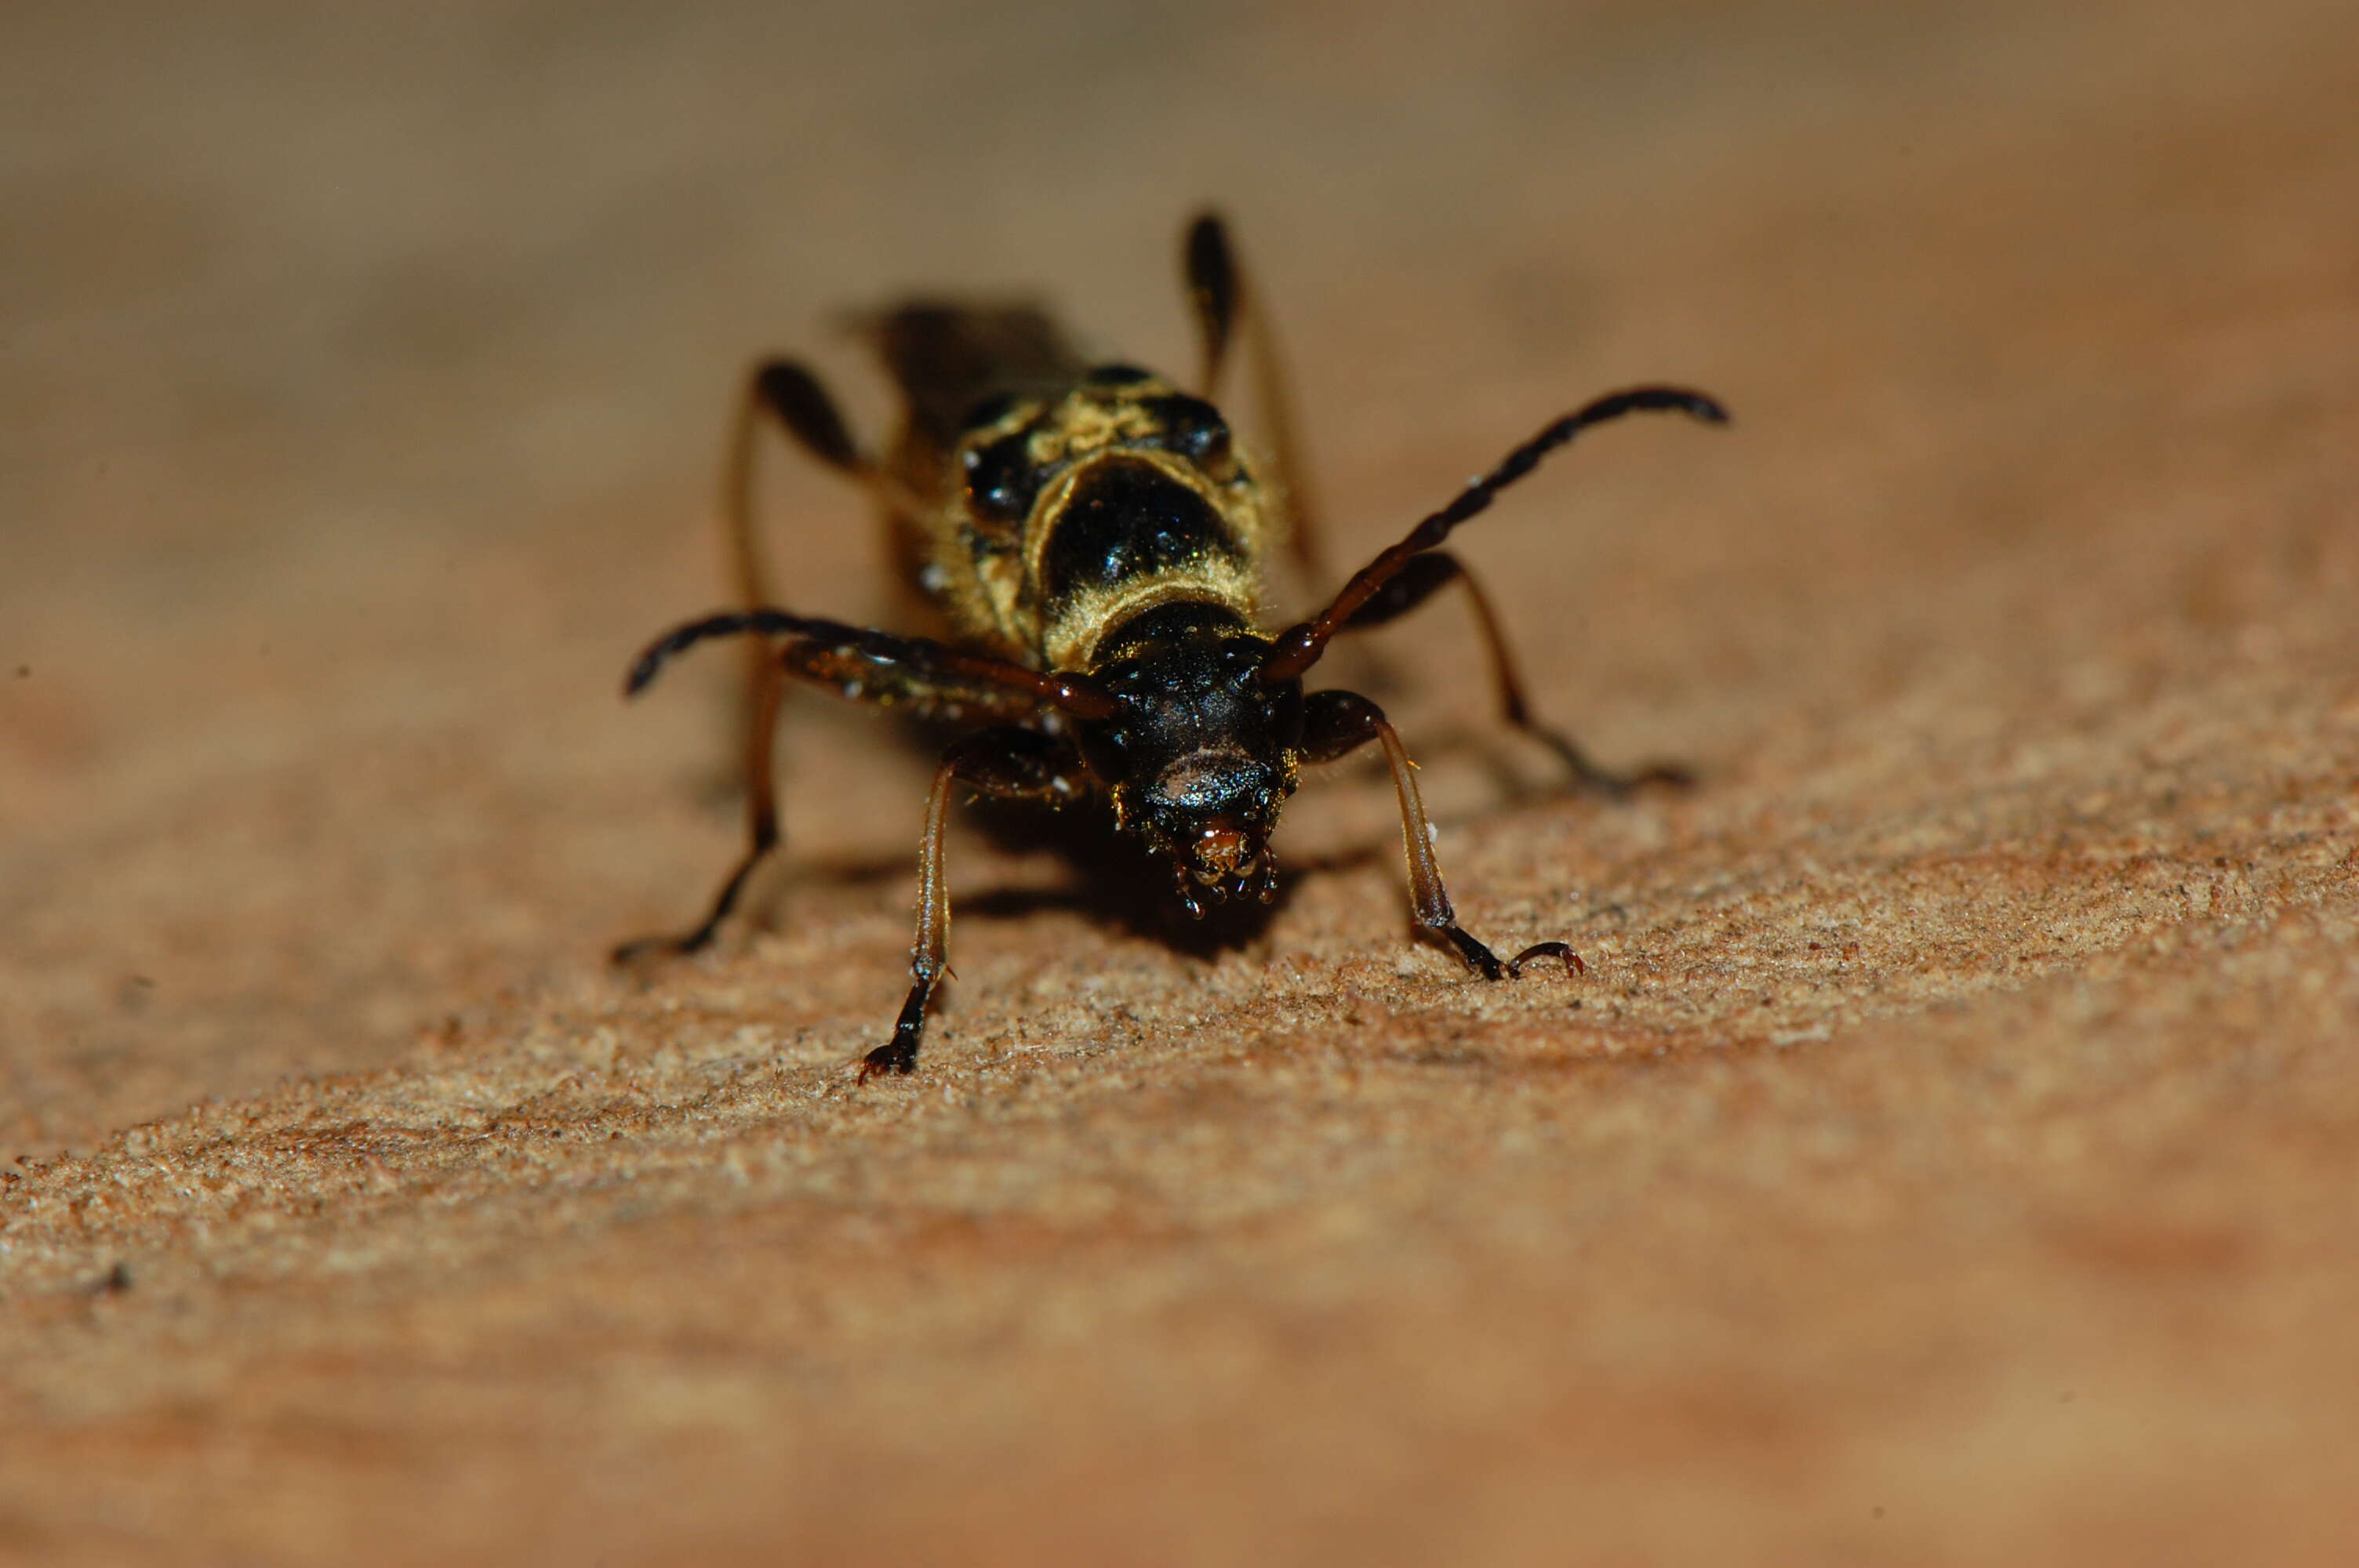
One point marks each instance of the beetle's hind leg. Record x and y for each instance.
(1228, 311)
(763, 693)
(786, 391)
(1426, 574)
(912, 674)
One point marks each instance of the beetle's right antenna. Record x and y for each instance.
(1300, 646)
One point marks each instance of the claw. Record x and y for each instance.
(1572, 960)
(885, 1059)
(899, 1054)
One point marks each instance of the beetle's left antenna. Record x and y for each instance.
(1073, 694)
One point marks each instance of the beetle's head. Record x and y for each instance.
(1202, 753)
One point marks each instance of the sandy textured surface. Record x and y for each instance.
(1948, 1158)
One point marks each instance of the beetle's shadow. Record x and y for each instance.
(1114, 880)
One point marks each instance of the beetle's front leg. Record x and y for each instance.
(1009, 763)
(1336, 723)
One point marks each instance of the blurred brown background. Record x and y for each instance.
(1948, 1158)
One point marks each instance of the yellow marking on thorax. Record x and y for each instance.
(1070, 641)
(995, 596)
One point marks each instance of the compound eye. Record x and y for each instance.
(1001, 481)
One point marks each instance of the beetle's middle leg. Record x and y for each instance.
(1336, 723)
(783, 391)
(912, 675)
(1011, 763)
(1426, 574)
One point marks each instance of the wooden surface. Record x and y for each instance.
(1948, 1158)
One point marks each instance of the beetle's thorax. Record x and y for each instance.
(1204, 752)
(1077, 512)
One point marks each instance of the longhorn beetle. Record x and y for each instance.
(1095, 538)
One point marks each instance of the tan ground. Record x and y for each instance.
(1948, 1157)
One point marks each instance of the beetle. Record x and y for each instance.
(1095, 537)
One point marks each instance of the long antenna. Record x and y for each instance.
(1300, 646)
(1076, 695)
